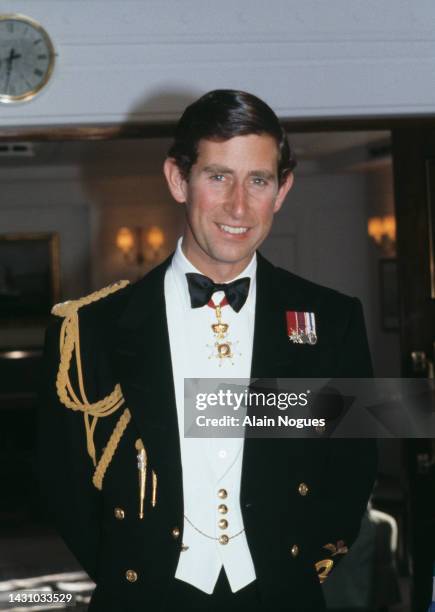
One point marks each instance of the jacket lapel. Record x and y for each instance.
(144, 370)
(273, 354)
(270, 341)
(271, 348)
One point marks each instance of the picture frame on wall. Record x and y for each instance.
(389, 289)
(29, 277)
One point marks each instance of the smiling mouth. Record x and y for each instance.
(229, 229)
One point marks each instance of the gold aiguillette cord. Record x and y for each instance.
(142, 467)
(154, 493)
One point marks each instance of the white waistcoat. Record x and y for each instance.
(211, 467)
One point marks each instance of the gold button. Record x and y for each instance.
(222, 493)
(131, 575)
(223, 509)
(294, 550)
(175, 533)
(119, 514)
(303, 489)
(223, 523)
(224, 539)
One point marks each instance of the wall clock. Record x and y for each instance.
(26, 58)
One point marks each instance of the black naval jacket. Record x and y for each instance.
(301, 500)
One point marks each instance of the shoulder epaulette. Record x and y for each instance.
(63, 309)
(69, 345)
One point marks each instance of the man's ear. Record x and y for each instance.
(283, 191)
(176, 183)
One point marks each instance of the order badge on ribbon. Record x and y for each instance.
(301, 327)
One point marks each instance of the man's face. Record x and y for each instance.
(231, 197)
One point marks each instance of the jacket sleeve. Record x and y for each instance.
(352, 463)
(65, 469)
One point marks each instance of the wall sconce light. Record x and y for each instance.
(125, 240)
(139, 245)
(155, 238)
(382, 230)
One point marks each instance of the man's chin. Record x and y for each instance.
(232, 256)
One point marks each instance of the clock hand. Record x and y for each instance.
(9, 68)
(11, 57)
(8, 77)
(9, 60)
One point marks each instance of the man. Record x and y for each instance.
(165, 522)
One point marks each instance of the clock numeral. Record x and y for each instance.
(38, 72)
(42, 56)
(35, 42)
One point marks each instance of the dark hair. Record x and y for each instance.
(222, 114)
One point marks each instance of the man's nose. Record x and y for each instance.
(237, 201)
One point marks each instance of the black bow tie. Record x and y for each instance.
(201, 288)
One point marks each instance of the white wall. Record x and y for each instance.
(132, 60)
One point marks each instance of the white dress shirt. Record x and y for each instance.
(209, 464)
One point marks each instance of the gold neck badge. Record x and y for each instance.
(222, 348)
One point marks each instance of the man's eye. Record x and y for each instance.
(257, 180)
(218, 177)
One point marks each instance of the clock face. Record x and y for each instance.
(26, 58)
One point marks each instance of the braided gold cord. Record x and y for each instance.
(110, 449)
(69, 343)
(62, 309)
